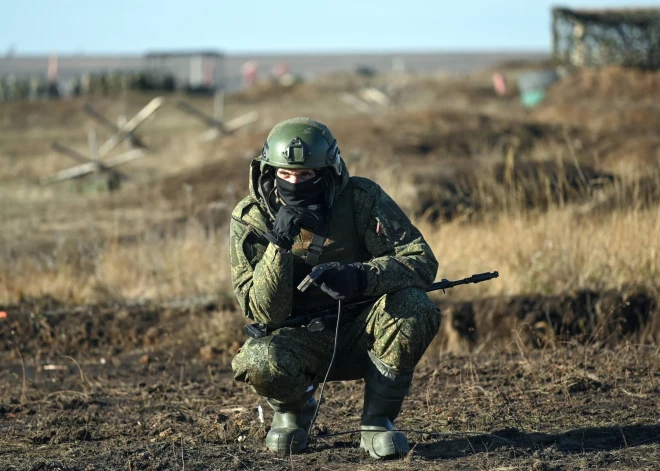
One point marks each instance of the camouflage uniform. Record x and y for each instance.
(375, 252)
(394, 332)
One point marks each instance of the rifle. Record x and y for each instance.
(317, 319)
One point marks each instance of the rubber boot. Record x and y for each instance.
(288, 431)
(384, 393)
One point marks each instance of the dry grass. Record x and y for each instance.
(566, 405)
(553, 252)
(547, 253)
(526, 213)
(154, 267)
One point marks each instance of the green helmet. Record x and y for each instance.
(301, 143)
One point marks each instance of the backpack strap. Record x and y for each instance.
(316, 246)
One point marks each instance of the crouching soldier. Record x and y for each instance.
(303, 209)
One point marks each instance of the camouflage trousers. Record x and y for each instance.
(396, 330)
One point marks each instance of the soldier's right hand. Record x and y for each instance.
(288, 222)
(311, 217)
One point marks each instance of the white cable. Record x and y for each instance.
(332, 360)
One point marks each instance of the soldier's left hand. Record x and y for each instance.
(343, 282)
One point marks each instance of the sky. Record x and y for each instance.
(284, 26)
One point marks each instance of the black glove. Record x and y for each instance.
(312, 216)
(343, 282)
(288, 221)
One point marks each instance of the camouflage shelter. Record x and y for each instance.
(592, 38)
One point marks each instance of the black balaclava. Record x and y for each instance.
(303, 194)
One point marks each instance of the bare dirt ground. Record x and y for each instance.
(143, 388)
(118, 324)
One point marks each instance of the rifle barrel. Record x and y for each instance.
(444, 284)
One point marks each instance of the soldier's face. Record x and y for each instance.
(295, 175)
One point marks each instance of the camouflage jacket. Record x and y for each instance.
(262, 276)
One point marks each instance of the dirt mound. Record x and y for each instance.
(224, 181)
(616, 124)
(636, 195)
(619, 101)
(448, 134)
(51, 329)
(642, 151)
(606, 84)
(472, 191)
(465, 135)
(522, 321)
(586, 316)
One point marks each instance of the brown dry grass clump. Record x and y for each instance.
(607, 83)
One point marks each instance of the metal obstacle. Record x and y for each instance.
(367, 99)
(216, 124)
(98, 162)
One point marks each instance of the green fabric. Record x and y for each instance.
(396, 330)
(532, 98)
(263, 278)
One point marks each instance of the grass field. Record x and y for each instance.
(126, 296)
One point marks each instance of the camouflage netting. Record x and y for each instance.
(591, 38)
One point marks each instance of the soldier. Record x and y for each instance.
(304, 209)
